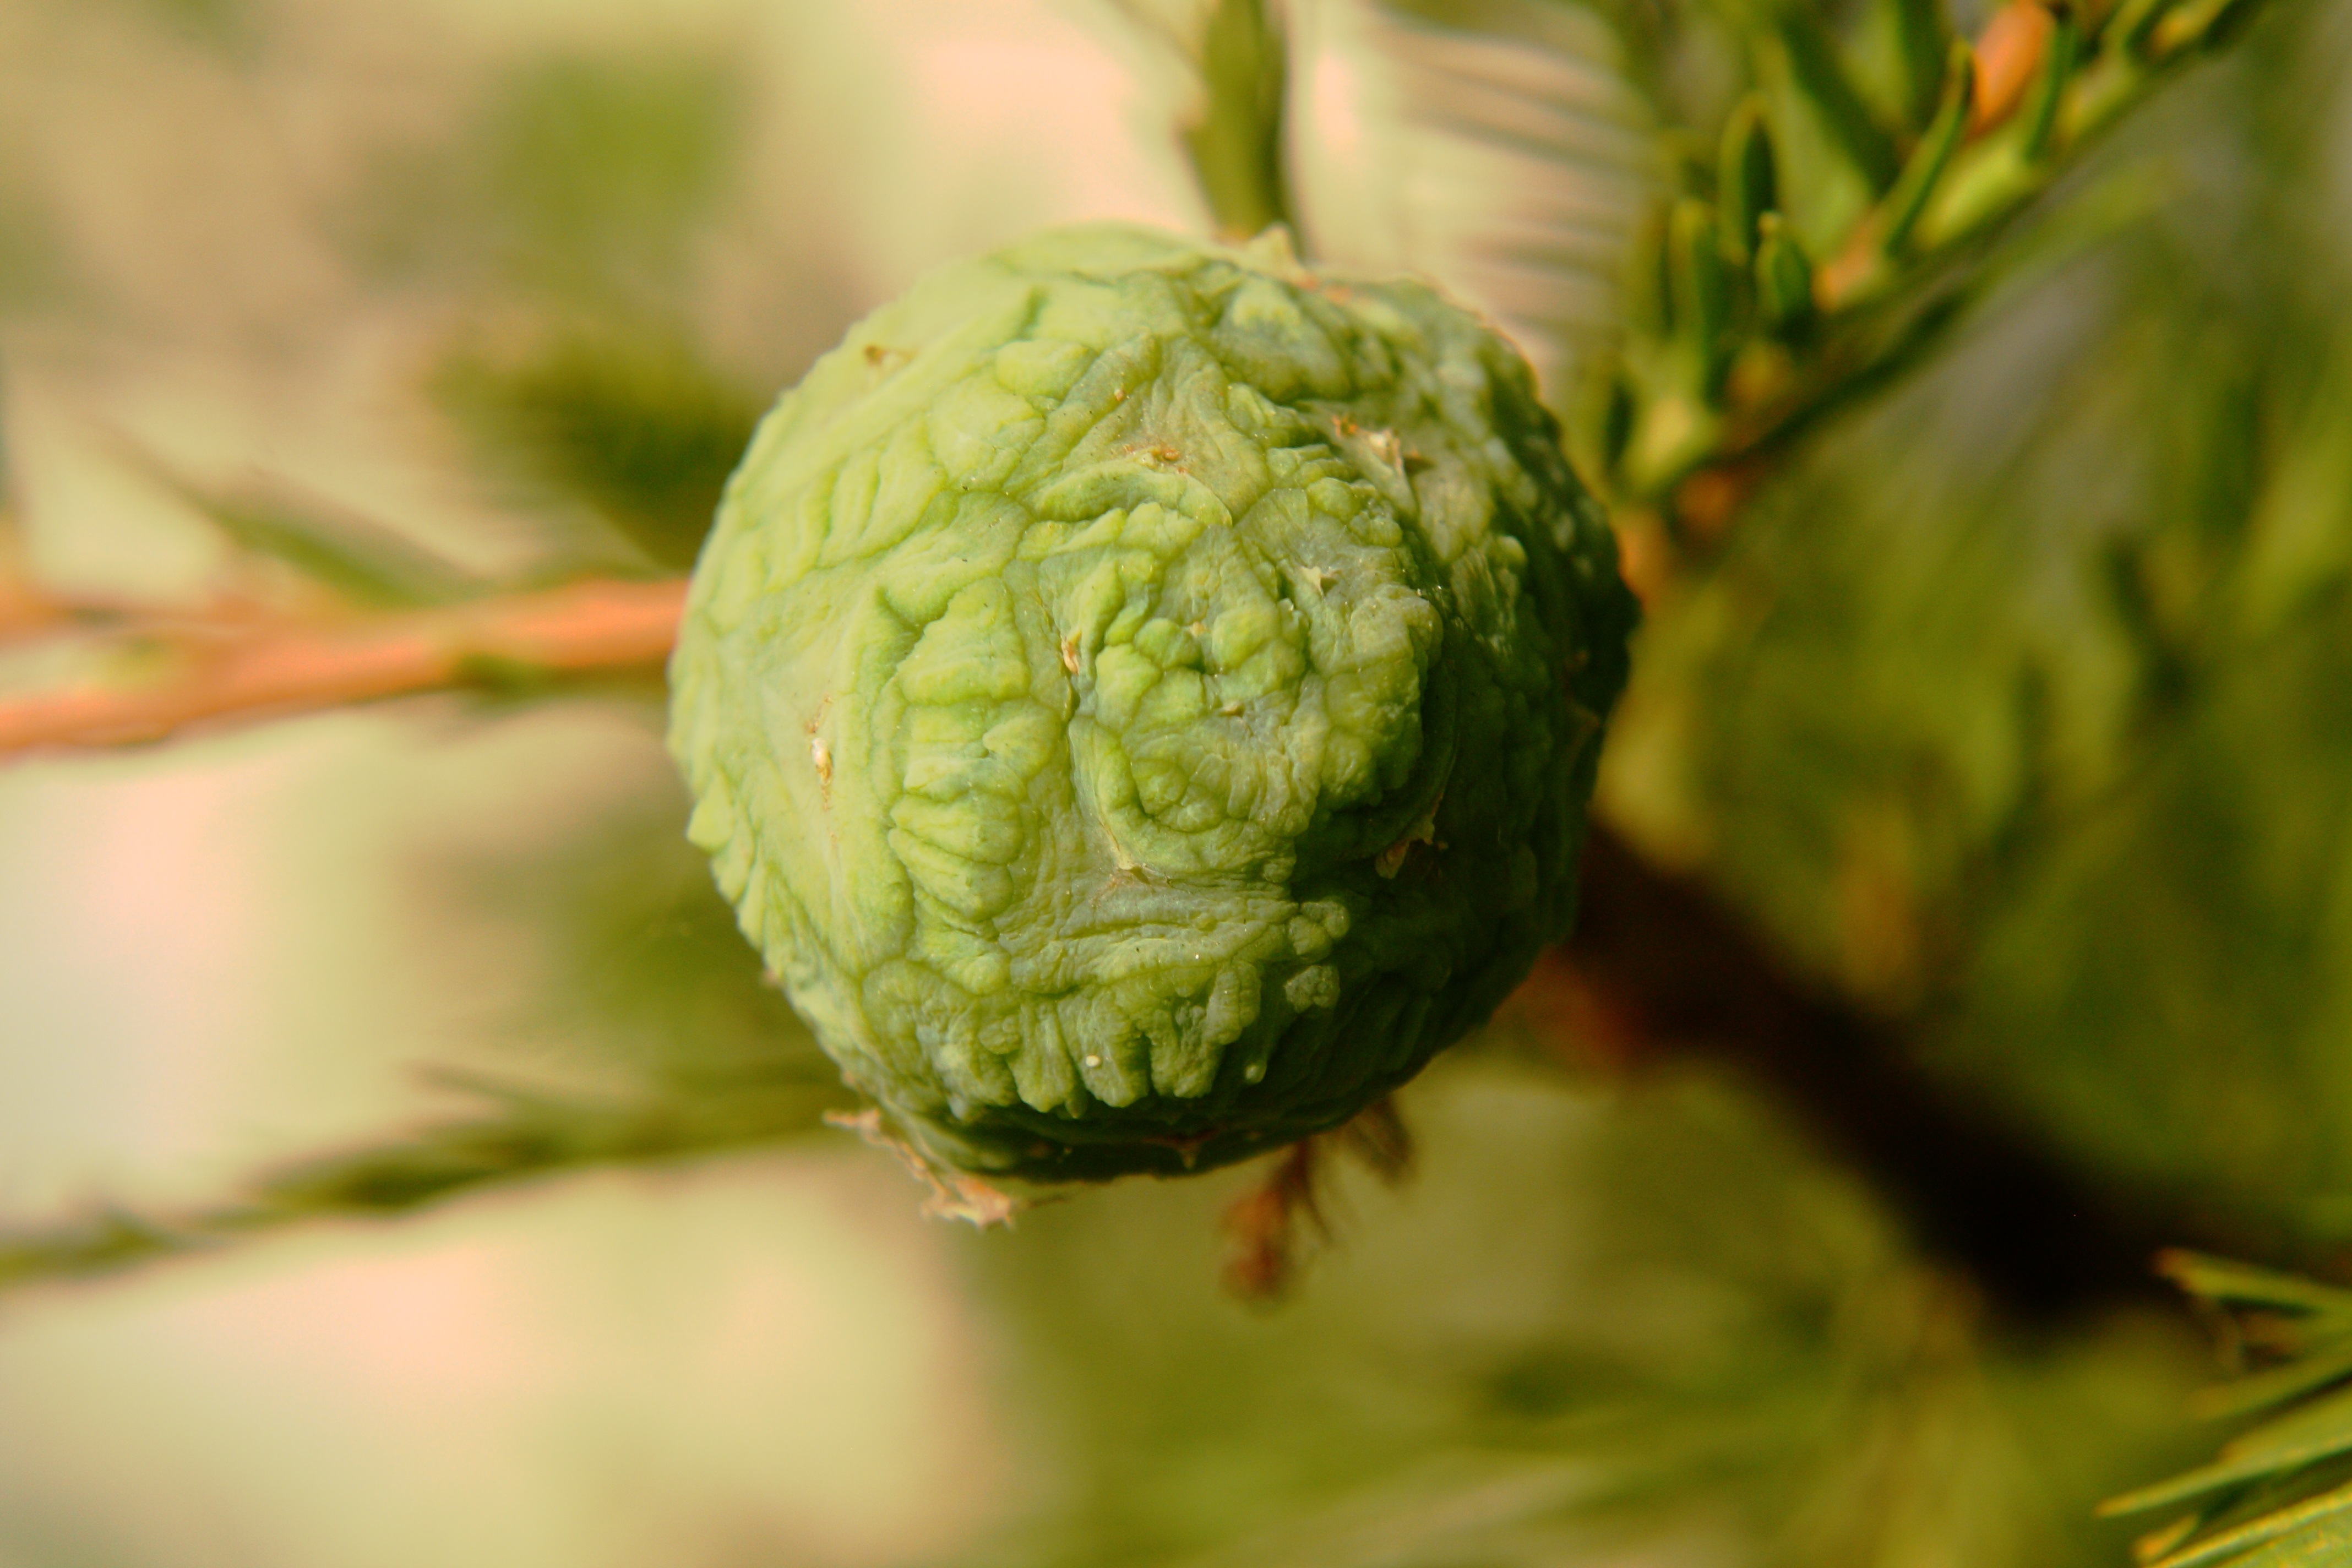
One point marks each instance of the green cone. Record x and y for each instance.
(1141, 698)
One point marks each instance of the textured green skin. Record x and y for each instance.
(1141, 698)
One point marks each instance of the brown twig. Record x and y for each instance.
(277, 668)
(1670, 974)
(1268, 1227)
(1262, 1226)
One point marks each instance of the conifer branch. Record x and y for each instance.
(519, 1136)
(184, 673)
(1700, 402)
(2280, 1494)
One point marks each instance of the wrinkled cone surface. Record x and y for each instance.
(1141, 698)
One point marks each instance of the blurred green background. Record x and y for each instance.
(2012, 713)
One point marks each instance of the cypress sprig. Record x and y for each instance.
(1838, 270)
(2280, 1495)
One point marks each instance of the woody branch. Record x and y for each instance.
(196, 672)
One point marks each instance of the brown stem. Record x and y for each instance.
(1657, 968)
(1262, 1224)
(275, 669)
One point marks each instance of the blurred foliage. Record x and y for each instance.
(581, 181)
(647, 1032)
(357, 559)
(2017, 709)
(1827, 227)
(575, 201)
(2280, 1494)
(205, 21)
(519, 1136)
(639, 428)
(34, 265)
(1550, 154)
(2000, 682)
(603, 167)
(639, 969)
(1234, 134)
(1602, 1325)
(1237, 142)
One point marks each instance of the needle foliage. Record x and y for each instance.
(1969, 391)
